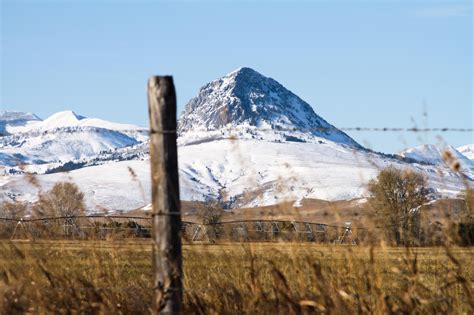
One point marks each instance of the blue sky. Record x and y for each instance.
(366, 63)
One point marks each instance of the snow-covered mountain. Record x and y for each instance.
(432, 154)
(467, 151)
(40, 145)
(245, 141)
(246, 101)
(440, 156)
(68, 119)
(10, 121)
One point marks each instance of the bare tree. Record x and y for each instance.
(210, 215)
(394, 196)
(64, 199)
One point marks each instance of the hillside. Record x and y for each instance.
(467, 151)
(439, 155)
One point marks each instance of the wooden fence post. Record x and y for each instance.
(167, 260)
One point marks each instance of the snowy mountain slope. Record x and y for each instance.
(255, 172)
(112, 186)
(244, 99)
(13, 120)
(63, 145)
(63, 138)
(437, 155)
(238, 173)
(467, 151)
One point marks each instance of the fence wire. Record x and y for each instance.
(250, 128)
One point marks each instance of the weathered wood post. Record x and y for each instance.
(167, 259)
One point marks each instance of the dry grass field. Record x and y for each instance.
(115, 277)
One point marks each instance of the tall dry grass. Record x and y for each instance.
(115, 277)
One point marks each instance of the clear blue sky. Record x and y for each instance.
(370, 63)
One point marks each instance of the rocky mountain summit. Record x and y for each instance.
(247, 99)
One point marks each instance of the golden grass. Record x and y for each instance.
(113, 277)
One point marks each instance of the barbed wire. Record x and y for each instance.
(247, 128)
(379, 129)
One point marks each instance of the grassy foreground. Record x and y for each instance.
(114, 277)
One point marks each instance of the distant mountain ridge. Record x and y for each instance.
(436, 155)
(245, 97)
(10, 120)
(10, 116)
(66, 119)
(65, 140)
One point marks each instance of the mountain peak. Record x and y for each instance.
(62, 119)
(243, 71)
(247, 98)
(66, 114)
